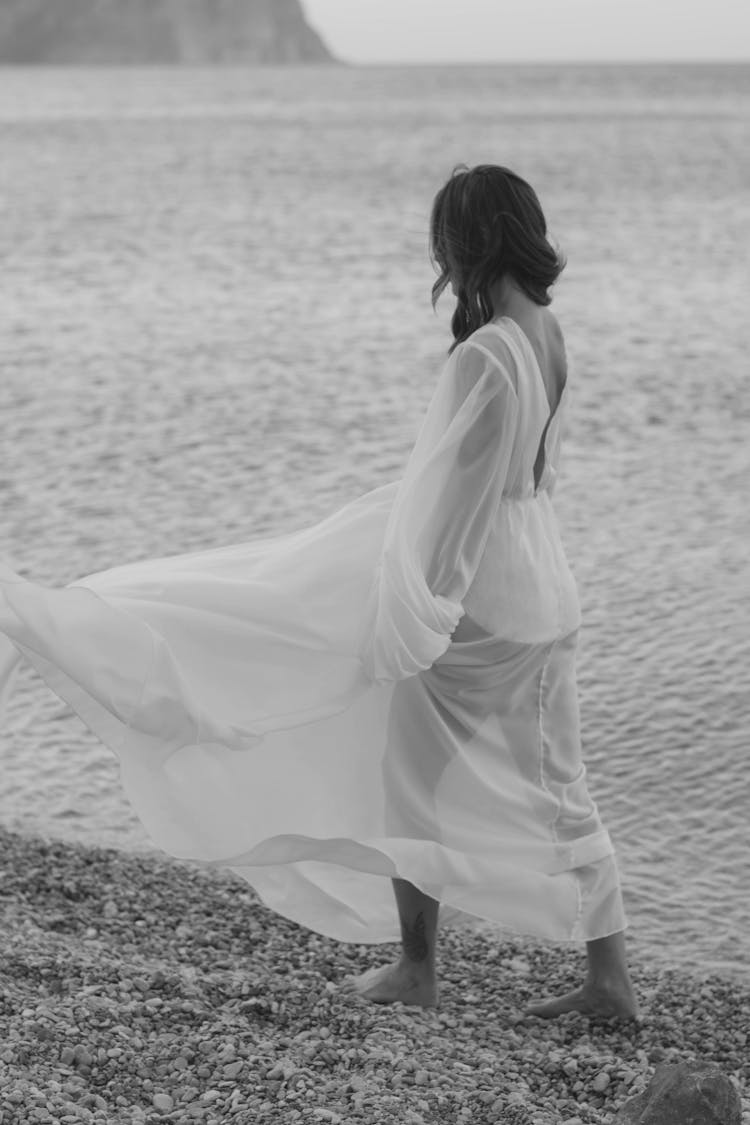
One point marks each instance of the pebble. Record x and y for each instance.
(163, 1102)
(601, 1082)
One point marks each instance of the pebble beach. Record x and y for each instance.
(136, 989)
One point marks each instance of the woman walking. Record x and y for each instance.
(374, 720)
(502, 700)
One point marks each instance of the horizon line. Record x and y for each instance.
(721, 61)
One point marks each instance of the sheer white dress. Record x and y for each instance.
(390, 692)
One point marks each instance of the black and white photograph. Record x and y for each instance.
(374, 562)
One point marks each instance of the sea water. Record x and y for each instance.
(216, 325)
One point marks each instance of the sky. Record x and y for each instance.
(371, 31)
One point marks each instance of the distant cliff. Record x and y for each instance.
(143, 32)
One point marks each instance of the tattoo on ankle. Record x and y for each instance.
(414, 940)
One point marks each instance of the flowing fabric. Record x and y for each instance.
(388, 693)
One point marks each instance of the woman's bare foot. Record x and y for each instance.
(398, 981)
(605, 1002)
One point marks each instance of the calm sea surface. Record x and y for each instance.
(214, 291)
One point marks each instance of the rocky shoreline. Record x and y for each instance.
(136, 989)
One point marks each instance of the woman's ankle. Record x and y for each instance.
(422, 970)
(607, 961)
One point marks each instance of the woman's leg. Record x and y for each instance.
(418, 914)
(607, 990)
(607, 966)
(411, 979)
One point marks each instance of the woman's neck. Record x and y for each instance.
(508, 300)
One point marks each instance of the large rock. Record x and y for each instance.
(684, 1094)
(144, 32)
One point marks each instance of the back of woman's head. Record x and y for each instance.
(487, 223)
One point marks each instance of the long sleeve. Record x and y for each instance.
(444, 509)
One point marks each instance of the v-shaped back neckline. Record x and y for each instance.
(540, 460)
(553, 410)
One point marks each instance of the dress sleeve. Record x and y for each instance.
(442, 514)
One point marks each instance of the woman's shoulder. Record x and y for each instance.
(489, 341)
(491, 338)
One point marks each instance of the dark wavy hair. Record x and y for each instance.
(487, 222)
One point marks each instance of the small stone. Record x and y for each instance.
(67, 1055)
(601, 1082)
(162, 1102)
(232, 1069)
(570, 1067)
(421, 1078)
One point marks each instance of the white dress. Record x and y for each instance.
(390, 692)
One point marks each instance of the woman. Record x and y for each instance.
(488, 239)
(382, 706)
